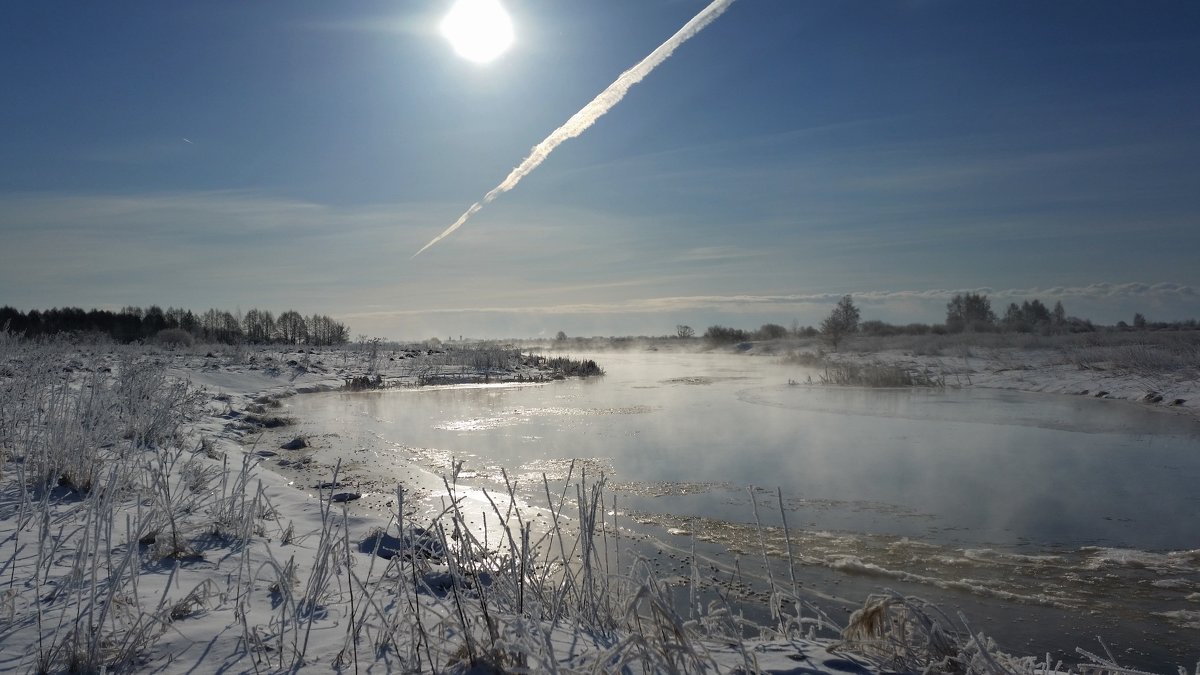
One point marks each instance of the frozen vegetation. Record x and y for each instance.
(140, 531)
(1155, 369)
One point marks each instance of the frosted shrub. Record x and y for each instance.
(58, 424)
(174, 337)
(154, 406)
(879, 375)
(109, 428)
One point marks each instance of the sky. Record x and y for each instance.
(296, 155)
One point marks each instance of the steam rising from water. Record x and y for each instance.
(583, 119)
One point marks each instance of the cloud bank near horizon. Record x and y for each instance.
(247, 248)
(756, 303)
(582, 120)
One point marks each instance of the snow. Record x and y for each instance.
(1051, 371)
(189, 555)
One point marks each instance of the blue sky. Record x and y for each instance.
(790, 153)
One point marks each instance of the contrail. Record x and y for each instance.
(583, 119)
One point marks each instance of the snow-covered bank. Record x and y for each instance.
(1159, 370)
(189, 551)
(139, 531)
(1054, 372)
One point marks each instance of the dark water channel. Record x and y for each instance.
(1047, 519)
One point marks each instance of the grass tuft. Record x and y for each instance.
(879, 375)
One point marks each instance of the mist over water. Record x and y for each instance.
(1049, 519)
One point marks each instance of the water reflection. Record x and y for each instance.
(969, 467)
(1038, 500)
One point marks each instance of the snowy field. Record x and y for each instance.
(1161, 370)
(143, 530)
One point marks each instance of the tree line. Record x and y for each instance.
(132, 324)
(966, 312)
(725, 334)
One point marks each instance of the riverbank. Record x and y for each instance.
(188, 548)
(1156, 370)
(141, 530)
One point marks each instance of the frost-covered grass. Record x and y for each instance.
(1178, 356)
(565, 366)
(1134, 350)
(135, 534)
(101, 484)
(879, 375)
(121, 530)
(850, 373)
(1157, 368)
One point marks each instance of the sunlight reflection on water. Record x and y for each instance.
(1027, 500)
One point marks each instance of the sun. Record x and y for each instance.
(479, 30)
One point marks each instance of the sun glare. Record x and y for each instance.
(479, 30)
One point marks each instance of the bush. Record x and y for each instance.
(771, 331)
(725, 335)
(804, 359)
(363, 383)
(879, 375)
(174, 337)
(568, 368)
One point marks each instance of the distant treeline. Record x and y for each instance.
(178, 325)
(966, 312)
(768, 331)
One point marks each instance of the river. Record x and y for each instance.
(1047, 520)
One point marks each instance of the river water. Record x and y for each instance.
(1047, 520)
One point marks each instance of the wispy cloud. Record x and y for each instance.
(758, 303)
(158, 213)
(199, 247)
(711, 254)
(582, 120)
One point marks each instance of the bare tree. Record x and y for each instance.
(684, 332)
(970, 312)
(1059, 314)
(293, 329)
(842, 321)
